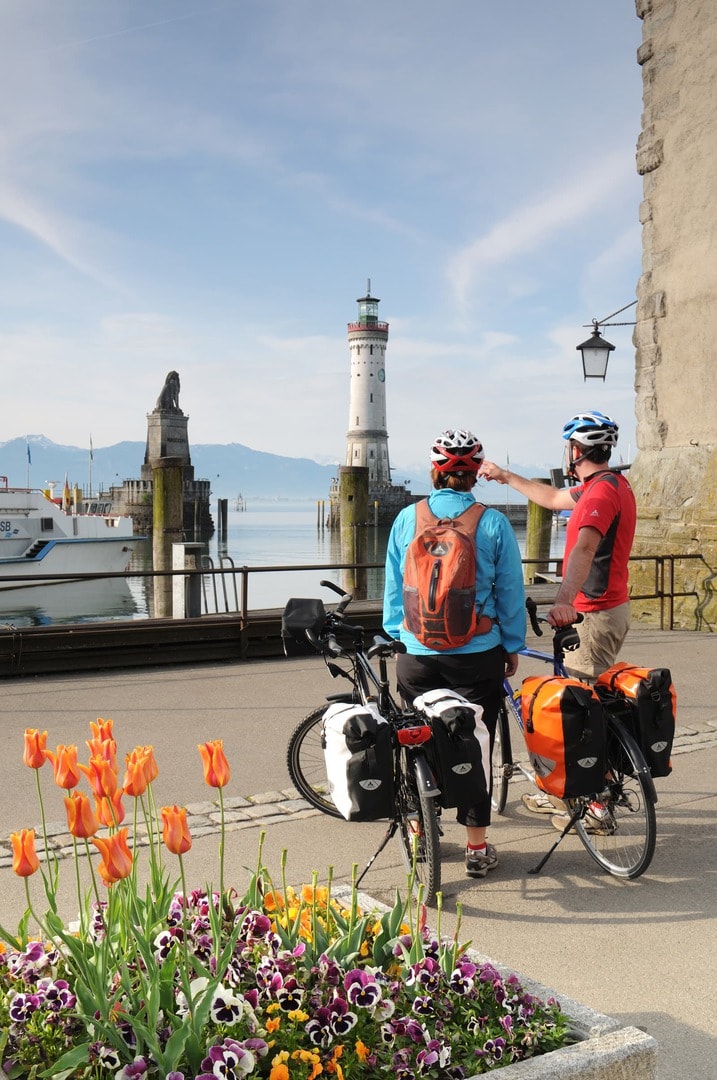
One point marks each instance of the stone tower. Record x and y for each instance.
(675, 472)
(367, 438)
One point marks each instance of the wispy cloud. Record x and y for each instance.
(53, 231)
(535, 223)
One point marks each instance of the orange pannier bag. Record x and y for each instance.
(644, 699)
(564, 731)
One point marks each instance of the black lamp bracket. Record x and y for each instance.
(604, 322)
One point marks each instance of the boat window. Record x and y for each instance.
(46, 524)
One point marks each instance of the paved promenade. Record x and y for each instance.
(643, 951)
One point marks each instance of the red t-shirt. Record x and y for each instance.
(606, 503)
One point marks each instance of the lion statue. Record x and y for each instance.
(168, 400)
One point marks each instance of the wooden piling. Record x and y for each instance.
(353, 495)
(538, 535)
(167, 517)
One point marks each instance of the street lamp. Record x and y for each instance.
(595, 352)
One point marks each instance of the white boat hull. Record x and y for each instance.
(39, 540)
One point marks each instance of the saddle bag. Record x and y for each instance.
(564, 730)
(644, 699)
(359, 761)
(459, 752)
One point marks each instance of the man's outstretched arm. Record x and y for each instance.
(545, 495)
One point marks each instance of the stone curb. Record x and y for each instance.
(269, 808)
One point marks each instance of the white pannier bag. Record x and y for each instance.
(359, 761)
(460, 748)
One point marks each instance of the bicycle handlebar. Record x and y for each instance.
(346, 597)
(566, 637)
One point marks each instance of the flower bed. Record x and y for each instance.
(279, 983)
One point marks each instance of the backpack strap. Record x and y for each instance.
(466, 522)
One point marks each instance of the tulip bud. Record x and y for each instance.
(175, 830)
(116, 862)
(35, 754)
(24, 857)
(216, 767)
(81, 818)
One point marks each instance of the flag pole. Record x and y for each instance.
(89, 493)
(29, 462)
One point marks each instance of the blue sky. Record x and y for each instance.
(206, 185)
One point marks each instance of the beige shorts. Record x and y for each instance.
(601, 636)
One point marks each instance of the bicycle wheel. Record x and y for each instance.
(418, 832)
(306, 764)
(501, 762)
(620, 831)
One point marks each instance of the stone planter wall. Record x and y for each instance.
(607, 1050)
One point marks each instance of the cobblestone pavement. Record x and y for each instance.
(272, 807)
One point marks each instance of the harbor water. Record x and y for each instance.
(268, 534)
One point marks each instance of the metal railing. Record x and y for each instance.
(226, 588)
(663, 591)
(664, 585)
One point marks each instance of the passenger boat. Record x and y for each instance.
(41, 535)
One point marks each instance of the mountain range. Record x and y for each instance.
(232, 469)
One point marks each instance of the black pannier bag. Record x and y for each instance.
(298, 616)
(359, 761)
(644, 699)
(459, 751)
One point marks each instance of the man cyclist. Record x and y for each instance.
(598, 541)
(476, 669)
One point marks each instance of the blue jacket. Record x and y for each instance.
(499, 576)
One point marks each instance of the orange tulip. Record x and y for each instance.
(150, 765)
(102, 777)
(116, 862)
(175, 831)
(110, 811)
(65, 767)
(81, 818)
(35, 754)
(24, 857)
(135, 778)
(216, 766)
(102, 729)
(104, 748)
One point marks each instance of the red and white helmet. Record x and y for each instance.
(457, 451)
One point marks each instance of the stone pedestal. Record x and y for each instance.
(167, 437)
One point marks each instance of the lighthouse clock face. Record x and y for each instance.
(381, 375)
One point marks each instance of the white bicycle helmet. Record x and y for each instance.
(591, 429)
(457, 451)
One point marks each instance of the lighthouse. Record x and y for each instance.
(367, 438)
(363, 486)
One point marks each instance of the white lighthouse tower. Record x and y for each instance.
(367, 438)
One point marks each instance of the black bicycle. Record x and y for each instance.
(623, 840)
(416, 794)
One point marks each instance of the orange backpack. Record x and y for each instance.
(439, 579)
(564, 730)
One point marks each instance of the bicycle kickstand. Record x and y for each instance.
(577, 813)
(390, 832)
